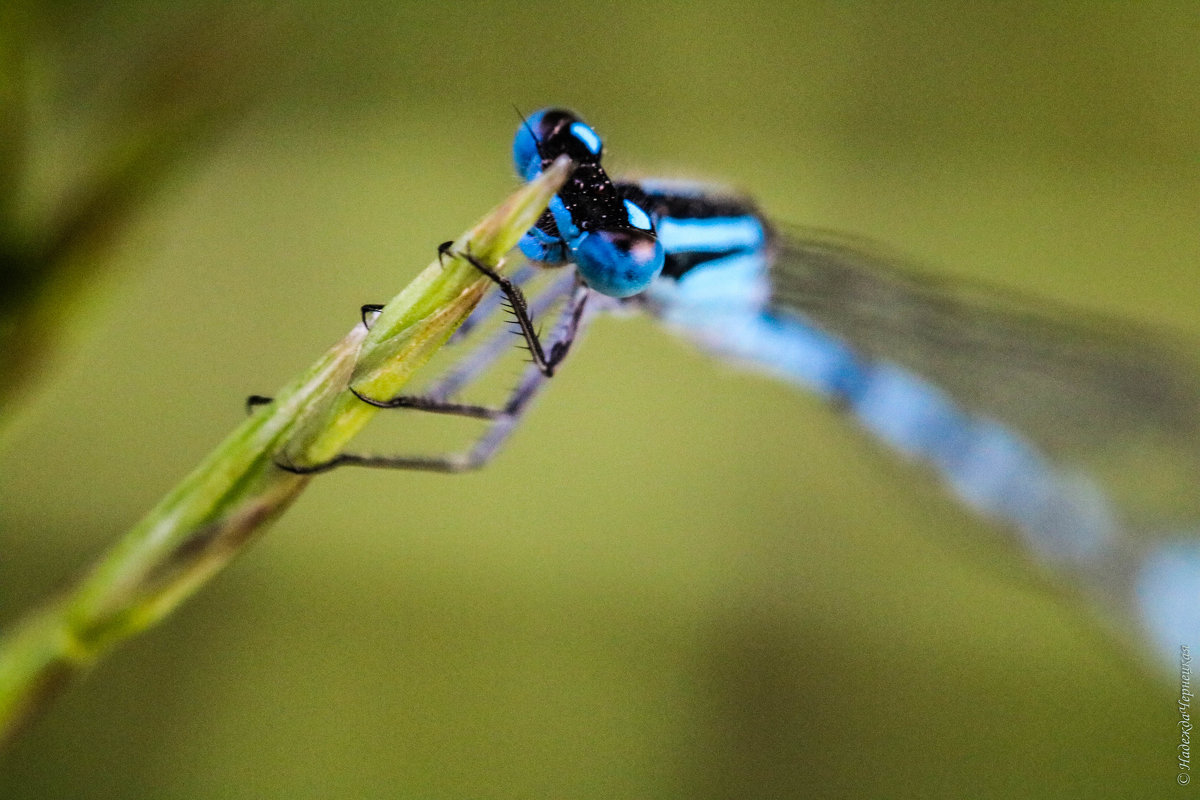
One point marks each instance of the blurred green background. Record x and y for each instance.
(677, 580)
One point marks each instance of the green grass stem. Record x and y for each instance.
(230, 497)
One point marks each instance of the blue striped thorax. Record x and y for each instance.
(717, 246)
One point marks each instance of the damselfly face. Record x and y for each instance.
(608, 236)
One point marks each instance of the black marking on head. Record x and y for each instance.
(555, 138)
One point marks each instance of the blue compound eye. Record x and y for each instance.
(526, 156)
(618, 263)
(550, 133)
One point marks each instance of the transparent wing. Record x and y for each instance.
(1111, 399)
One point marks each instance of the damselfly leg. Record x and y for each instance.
(503, 419)
(519, 306)
(483, 356)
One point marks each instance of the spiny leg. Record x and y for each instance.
(484, 355)
(490, 303)
(504, 420)
(434, 405)
(520, 309)
(434, 400)
(486, 352)
(485, 309)
(479, 360)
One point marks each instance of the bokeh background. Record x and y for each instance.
(677, 580)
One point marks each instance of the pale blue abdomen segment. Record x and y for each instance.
(1168, 595)
(995, 470)
(1062, 515)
